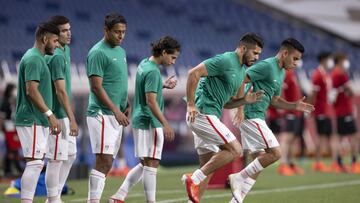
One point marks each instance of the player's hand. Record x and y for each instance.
(170, 82)
(300, 105)
(239, 117)
(252, 97)
(121, 118)
(54, 125)
(127, 111)
(74, 129)
(168, 133)
(192, 113)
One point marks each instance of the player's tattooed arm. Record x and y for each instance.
(32, 92)
(194, 76)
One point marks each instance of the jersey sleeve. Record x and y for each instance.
(57, 67)
(33, 69)
(258, 71)
(152, 81)
(216, 65)
(96, 64)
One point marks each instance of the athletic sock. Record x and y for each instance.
(30, 178)
(65, 169)
(149, 180)
(198, 176)
(52, 179)
(353, 159)
(339, 160)
(96, 185)
(132, 178)
(251, 169)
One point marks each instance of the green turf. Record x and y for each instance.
(270, 188)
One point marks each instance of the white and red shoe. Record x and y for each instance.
(191, 188)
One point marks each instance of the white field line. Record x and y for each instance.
(277, 190)
(228, 193)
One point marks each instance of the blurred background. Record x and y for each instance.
(204, 28)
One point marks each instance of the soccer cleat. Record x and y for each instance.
(285, 170)
(297, 169)
(337, 168)
(113, 200)
(236, 188)
(355, 168)
(191, 188)
(321, 167)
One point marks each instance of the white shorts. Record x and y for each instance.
(202, 147)
(210, 133)
(257, 136)
(33, 140)
(148, 142)
(62, 145)
(105, 134)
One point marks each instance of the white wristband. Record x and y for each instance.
(48, 113)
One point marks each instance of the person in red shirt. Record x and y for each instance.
(7, 126)
(321, 85)
(343, 106)
(292, 128)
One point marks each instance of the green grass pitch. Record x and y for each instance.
(270, 188)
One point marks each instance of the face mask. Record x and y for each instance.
(300, 64)
(346, 64)
(330, 64)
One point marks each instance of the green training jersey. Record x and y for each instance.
(225, 75)
(32, 68)
(110, 64)
(59, 66)
(268, 76)
(148, 79)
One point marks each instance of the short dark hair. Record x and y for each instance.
(59, 20)
(291, 43)
(44, 28)
(113, 18)
(167, 43)
(251, 38)
(323, 55)
(339, 57)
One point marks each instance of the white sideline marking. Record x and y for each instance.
(138, 194)
(278, 190)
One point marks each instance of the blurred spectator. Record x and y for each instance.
(321, 86)
(343, 105)
(7, 125)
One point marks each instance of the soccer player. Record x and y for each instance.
(256, 137)
(211, 86)
(292, 126)
(61, 150)
(148, 121)
(321, 81)
(108, 101)
(343, 105)
(33, 103)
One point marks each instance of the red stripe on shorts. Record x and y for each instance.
(262, 135)
(217, 131)
(102, 135)
(155, 139)
(34, 142)
(56, 146)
